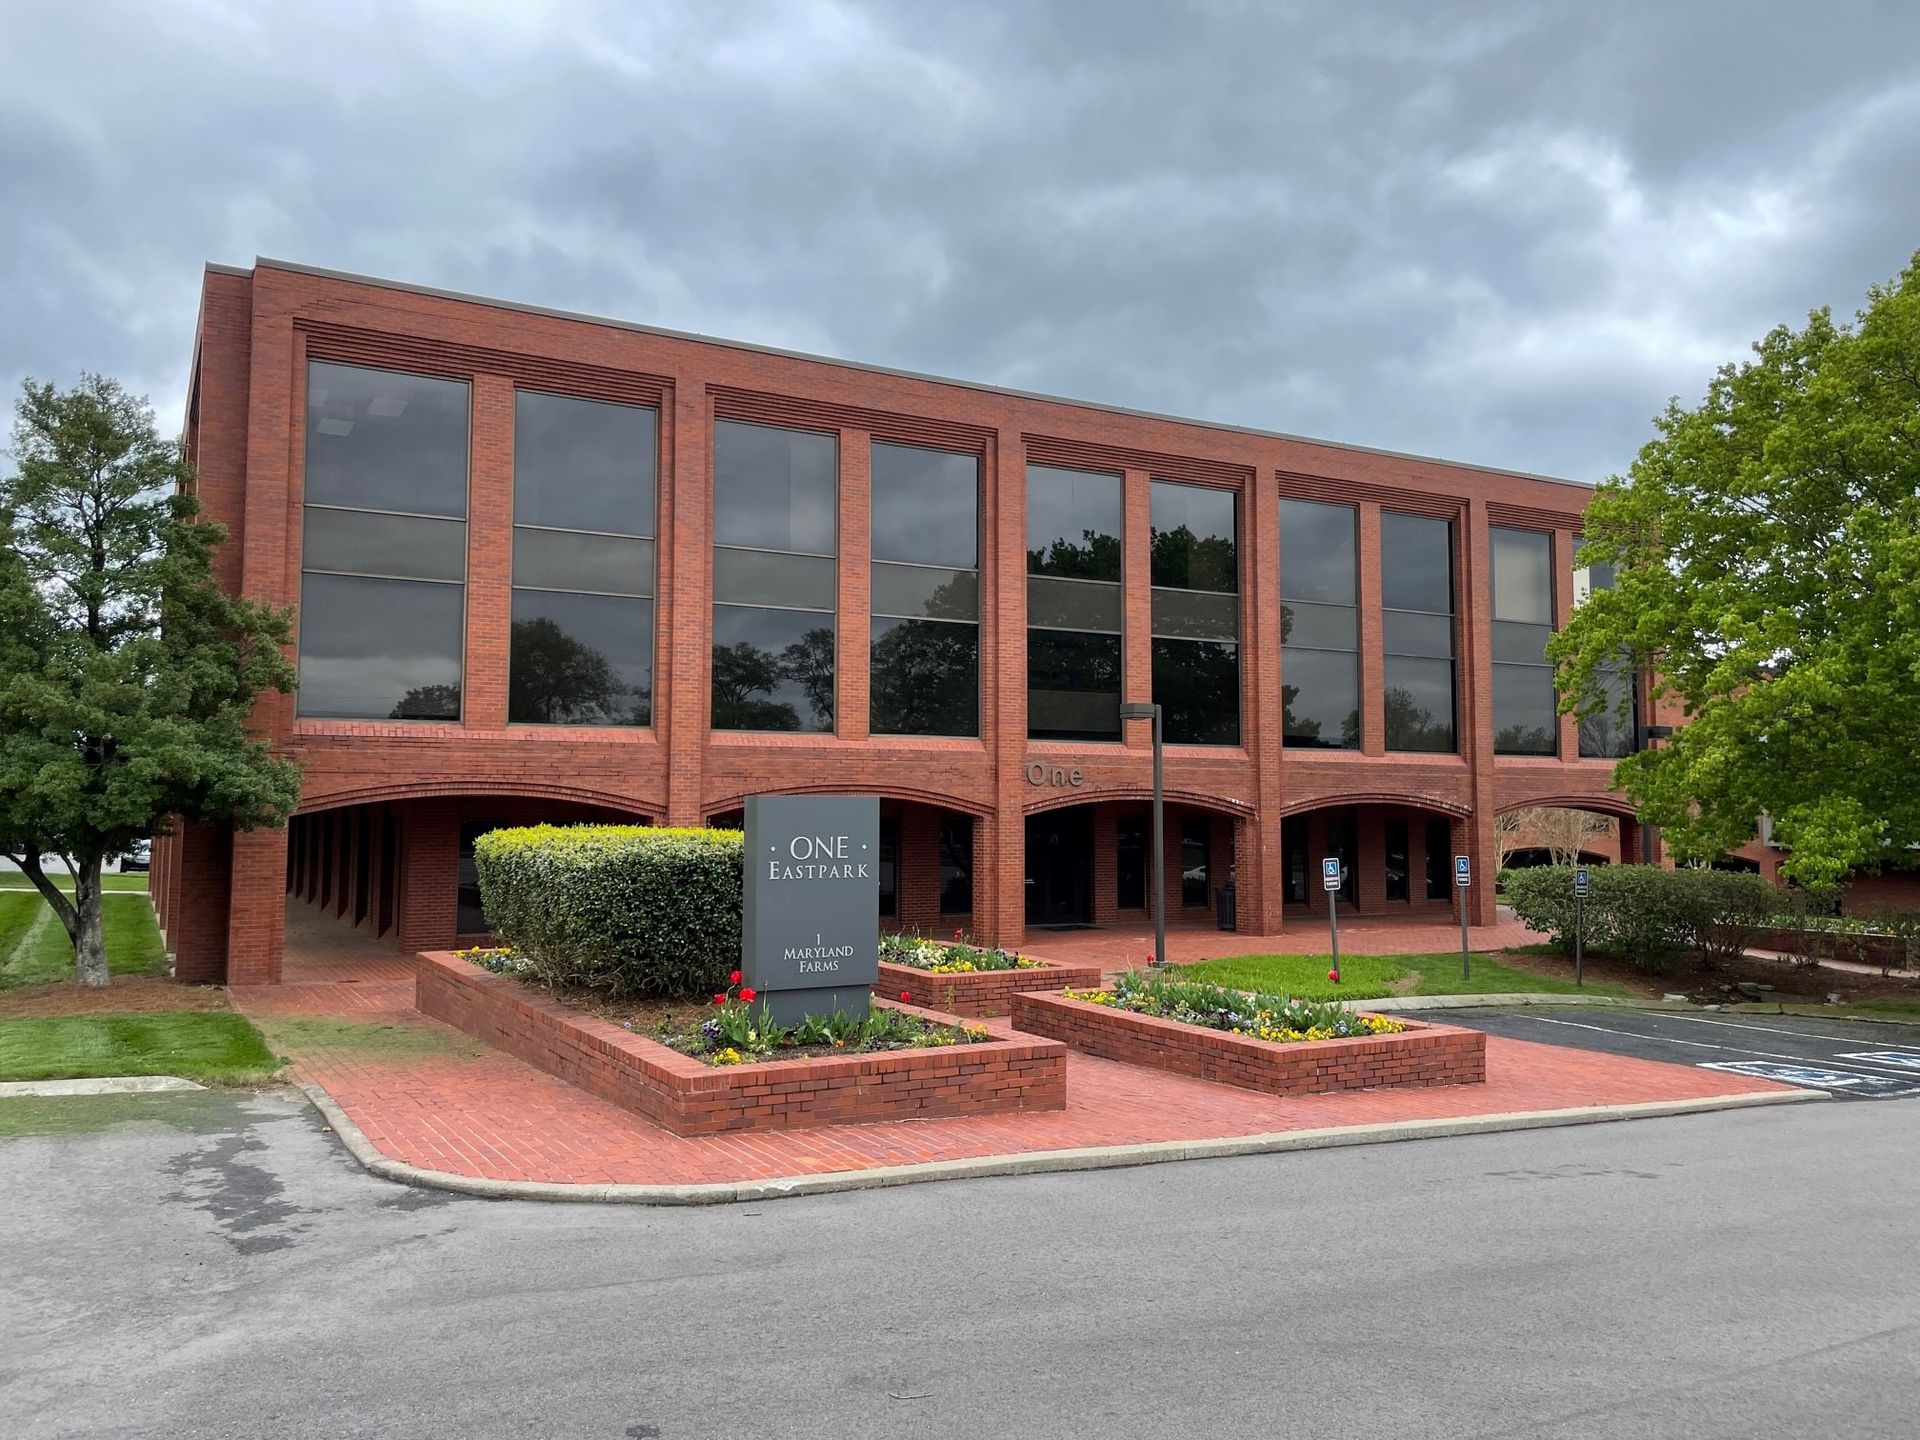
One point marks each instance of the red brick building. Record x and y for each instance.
(554, 567)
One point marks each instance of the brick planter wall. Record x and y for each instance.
(1421, 1055)
(689, 1097)
(980, 992)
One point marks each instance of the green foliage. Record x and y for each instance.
(622, 910)
(218, 1046)
(1362, 977)
(1214, 1007)
(1766, 549)
(126, 676)
(950, 957)
(737, 1032)
(1644, 913)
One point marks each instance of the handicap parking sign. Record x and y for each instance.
(1330, 873)
(1462, 871)
(1580, 882)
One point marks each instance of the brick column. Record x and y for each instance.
(682, 706)
(1562, 610)
(257, 913)
(1474, 676)
(852, 665)
(999, 839)
(489, 555)
(1373, 682)
(429, 874)
(202, 898)
(1259, 886)
(1136, 603)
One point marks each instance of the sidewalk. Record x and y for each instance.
(431, 1097)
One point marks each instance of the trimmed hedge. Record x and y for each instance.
(1645, 913)
(625, 910)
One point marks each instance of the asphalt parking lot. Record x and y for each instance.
(1856, 1060)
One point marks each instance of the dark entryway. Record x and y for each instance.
(1060, 867)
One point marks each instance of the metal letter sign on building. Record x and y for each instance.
(810, 937)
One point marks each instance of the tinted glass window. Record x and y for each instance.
(956, 864)
(1073, 605)
(889, 865)
(1522, 576)
(380, 440)
(1073, 523)
(1419, 704)
(1320, 692)
(380, 649)
(772, 669)
(358, 542)
(1073, 685)
(1416, 563)
(1609, 723)
(1194, 860)
(1396, 859)
(580, 659)
(1319, 625)
(774, 489)
(919, 590)
(926, 506)
(1439, 860)
(1294, 858)
(1416, 581)
(1194, 537)
(574, 560)
(1317, 552)
(1524, 718)
(926, 678)
(1130, 863)
(764, 577)
(1197, 614)
(583, 464)
(1197, 685)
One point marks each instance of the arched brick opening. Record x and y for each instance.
(1396, 850)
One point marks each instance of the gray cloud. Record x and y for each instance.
(1494, 232)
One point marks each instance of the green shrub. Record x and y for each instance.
(1644, 913)
(623, 910)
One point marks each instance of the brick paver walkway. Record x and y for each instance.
(446, 1102)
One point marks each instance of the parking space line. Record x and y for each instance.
(1730, 1049)
(1767, 1029)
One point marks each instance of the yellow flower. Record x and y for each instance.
(728, 1056)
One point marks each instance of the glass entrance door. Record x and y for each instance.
(1059, 880)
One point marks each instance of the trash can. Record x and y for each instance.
(1223, 902)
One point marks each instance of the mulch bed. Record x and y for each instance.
(127, 995)
(1715, 986)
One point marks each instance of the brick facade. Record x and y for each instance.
(257, 330)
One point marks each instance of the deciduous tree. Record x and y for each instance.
(126, 675)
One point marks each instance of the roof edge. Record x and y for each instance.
(695, 337)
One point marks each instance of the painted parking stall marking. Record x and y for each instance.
(1898, 1059)
(1814, 1077)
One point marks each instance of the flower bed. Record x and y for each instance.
(689, 1096)
(1227, 1042)
(964, 979)
(738, 1033)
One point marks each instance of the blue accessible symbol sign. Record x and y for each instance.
(1580, 883)
(1330, 873)
(1462, 871)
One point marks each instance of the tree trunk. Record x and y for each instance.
(89, 945)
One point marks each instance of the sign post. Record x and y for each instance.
(1330, 882)
(810, 926)
(1579, 926)
(1463, 881)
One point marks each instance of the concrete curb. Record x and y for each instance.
(1104, 1157)
(109, 1085)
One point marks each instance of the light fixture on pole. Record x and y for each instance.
(1140, 710)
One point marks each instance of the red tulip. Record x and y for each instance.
(734, 978)
(957, 934)
(907, 995)
(719, 999)
(1334, 976)
(748, 992)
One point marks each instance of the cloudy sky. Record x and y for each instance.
(1501, 232)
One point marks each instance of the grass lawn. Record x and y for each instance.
(1369, 977)
(217, 1046)
(14, 880)
(132, 938)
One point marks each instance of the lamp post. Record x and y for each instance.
(1140, 710)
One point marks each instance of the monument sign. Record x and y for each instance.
(810, 938)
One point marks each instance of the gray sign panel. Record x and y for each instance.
(811, 934)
